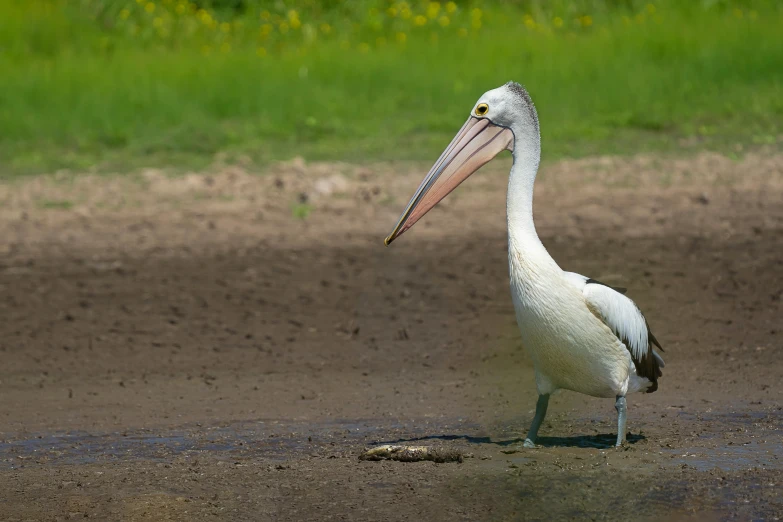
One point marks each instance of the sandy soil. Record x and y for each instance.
(186, 348)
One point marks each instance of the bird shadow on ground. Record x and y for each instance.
(599, 441)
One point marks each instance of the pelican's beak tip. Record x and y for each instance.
(388, 240)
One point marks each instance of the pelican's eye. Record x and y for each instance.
(481, 109)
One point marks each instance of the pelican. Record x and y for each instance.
(581, 334)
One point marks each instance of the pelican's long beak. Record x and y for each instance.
(474, 146)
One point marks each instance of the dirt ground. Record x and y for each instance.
(223, 345)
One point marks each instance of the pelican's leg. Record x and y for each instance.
(541, 405)
(621, 408)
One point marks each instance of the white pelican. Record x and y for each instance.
(582, 335)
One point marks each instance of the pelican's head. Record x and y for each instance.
(497, 119)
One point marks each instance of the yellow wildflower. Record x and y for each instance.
(265, 29)
(451, 7)
(261, 51)
(326, 28)
(753, 15)
(476, 14)
(264, 16)
(226, 47)
(476, 23)
(293, 19)
(529, 22)
(150, 7)
(181, 8)
(205, 49)
(363, 47)
(157, 22)
(392, 12)
(557, 21)
(650, 8)
(462, 32)
(444, 21)
(405, 13)
(402, 37)
(225, 27)
(433, 9)
(124, 14)
(738, 12)
(283, 27)
(420, 20)
(587, 21)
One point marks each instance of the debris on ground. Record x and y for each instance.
(413, 453)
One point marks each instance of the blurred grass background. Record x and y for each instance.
(122, 84)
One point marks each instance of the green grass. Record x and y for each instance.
(301, 210)
(56, 204)
(80, 94)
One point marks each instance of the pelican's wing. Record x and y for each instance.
(625, 319)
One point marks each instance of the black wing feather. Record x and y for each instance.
(618, 289)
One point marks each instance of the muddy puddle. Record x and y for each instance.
(273, 441)
(732, 441)
(760, 442)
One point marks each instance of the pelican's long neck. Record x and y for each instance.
(523, 241)
(519, 201)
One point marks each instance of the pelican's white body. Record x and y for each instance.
(571, 348)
